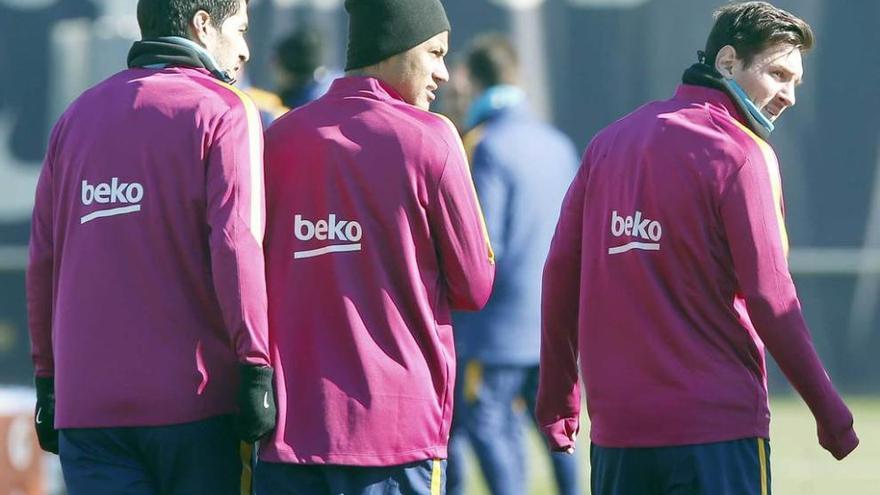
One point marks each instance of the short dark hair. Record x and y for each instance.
(752, 27)
(302, 51)
(172, 17)
(492, 60)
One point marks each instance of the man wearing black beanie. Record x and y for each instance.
(380, 29)
(400, 42)
(373, 236)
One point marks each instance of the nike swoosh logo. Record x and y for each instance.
(39, 411)
(266, 400)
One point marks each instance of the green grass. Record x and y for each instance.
(799, 466)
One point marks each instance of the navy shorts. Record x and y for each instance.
(416, 478)
(203, 457)
(737, 467)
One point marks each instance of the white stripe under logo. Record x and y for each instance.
(109, 213)
(646, 246)
(336, 248)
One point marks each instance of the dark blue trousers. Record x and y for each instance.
(737, 467)
(416, 478)
(493, 403)
(204, 457)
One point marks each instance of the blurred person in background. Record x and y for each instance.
(668, 276)
(374, 235)
(301, 67)
(268, 103)
(301, 74)
(521, 168)
(146, 289)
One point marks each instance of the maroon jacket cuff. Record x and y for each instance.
(561, 435)
(839, 445)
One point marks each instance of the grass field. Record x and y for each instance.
(799, 466)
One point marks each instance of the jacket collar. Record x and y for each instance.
(365, 86)
(174, 51)
(494, 101)
(704, 75)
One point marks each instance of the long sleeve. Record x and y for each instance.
(40, 270)
(558, 405)
(461, 239)
(236, 219)
(751, 211)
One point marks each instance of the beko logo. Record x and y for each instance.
(332, 229)
(638, 227)
(115, 192)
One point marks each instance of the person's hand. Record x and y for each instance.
(841, 444)
(256, 403)
(44, 414)
(569, 449)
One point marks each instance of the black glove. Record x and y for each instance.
(256, 403)
(44, 415)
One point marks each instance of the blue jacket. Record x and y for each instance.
(521, 168)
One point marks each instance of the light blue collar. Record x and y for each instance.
(491, 101)
(753, 110)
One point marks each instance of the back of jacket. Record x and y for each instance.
(145, 284)
(522, 168)
(667, 276)
(374, 234)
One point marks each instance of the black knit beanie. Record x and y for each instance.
(378, 29)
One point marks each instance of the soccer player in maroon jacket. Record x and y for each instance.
(373, 236)
(667, 277)
(146, 285)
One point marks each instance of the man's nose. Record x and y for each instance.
(787, 95)
(441, 75)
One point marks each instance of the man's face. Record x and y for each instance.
(771, 78)
(418, 72)
(227, 44)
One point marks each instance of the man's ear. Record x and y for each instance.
(199, 27)
(726, 61)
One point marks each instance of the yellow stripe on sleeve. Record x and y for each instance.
(491, 253)
(772, 166)
(255, 154)
(436, 475)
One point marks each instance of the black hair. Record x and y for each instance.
(752, 27)
(492, 60)
(158, 18)
(302, 51)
